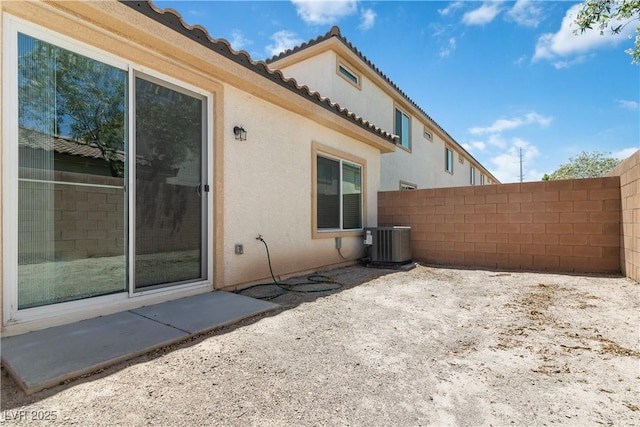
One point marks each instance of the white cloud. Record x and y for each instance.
(324, 12)
(283, 40)
(502, 125)
(446, 50)
(520, 60)
(368, 17)
(507, 163)
(566, 43)
(438, 30)
(497, 141)
(507, 160)
(238, 40)
(526, 13)
(559, 65)
(475, 146)
(451, 7)
(629, 105)
(624, 153)
(482, 15)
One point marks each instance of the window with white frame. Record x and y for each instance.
(481, 179)
(338, 194)
(472, 175)
(403, 128)
(428, 134)
(448, 159)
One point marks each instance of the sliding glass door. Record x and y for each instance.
(71, 175)
(170, 198)
(105, 176)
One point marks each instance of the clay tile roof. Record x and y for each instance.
(335, 32)
(199, 34)
(38, 140)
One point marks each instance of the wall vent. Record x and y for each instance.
(389, 244)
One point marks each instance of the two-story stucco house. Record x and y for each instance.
(141, 158)
(427, 156)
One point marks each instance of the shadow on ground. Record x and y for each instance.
(288, 294)
(298, 290)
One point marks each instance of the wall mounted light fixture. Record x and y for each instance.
(240, 133)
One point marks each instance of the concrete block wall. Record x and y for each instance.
(72, 221)
(563, 226)
(168, 218)
(87, 220)
(629, 173)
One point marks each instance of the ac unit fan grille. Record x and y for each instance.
(389, 244)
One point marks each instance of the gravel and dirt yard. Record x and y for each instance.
(429, 346)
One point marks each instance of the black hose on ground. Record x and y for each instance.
(311, 284)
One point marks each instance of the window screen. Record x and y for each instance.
(339, 194)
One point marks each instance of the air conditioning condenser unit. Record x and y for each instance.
(389, 244)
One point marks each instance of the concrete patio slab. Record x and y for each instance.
(44, 358)
(201, 314)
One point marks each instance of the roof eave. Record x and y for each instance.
(172, 19)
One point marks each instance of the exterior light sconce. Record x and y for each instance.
(240, 133)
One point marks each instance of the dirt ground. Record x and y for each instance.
(429, 346)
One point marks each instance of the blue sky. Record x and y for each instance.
(499, 76)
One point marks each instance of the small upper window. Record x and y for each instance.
(428, 134)
(481, 179)
(448, 160)
(348, 75)
(407, 186)
(402, 129)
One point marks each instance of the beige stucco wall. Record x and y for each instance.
(319, 72)
(267, 191)
(318, 67)
(424, 165)
(261, 185)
